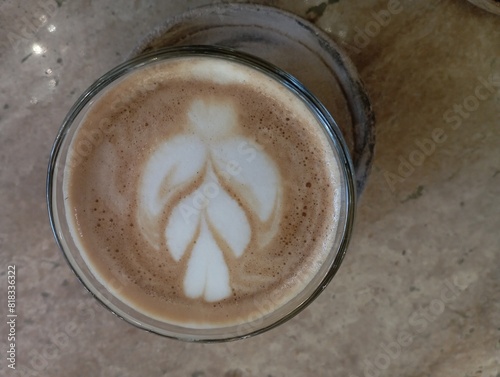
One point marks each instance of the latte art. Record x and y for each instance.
(202, 192)
(195, 175)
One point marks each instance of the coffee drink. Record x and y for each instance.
(200, 187)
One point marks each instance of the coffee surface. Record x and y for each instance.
(197, 188)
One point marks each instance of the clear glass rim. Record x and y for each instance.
(492, 6)
(326, 120)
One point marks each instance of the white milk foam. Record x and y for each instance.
(211, 145)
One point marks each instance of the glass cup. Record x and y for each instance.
(107, 292)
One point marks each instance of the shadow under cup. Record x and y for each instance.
(107, 293)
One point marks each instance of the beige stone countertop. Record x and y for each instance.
(419, 291)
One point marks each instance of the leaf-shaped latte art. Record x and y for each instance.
(182, 226)
(257, 175)
(197, 177)
(207, 274)
(230, 222)
(212, 203)
(165, 173)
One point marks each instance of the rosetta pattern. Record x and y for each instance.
(219, 170)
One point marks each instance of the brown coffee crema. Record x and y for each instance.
(198, 188)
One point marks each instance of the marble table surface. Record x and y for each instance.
(419, 291)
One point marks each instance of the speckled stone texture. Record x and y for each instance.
(419, 291)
